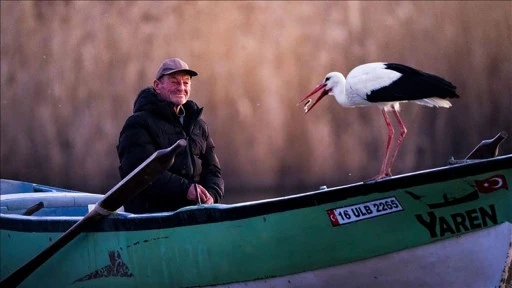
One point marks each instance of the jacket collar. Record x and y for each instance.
(148, 100)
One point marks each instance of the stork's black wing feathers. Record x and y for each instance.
(412, 85)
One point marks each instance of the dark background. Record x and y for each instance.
(70, 72)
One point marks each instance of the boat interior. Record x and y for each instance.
(40, 200)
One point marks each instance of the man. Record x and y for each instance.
(163, 114)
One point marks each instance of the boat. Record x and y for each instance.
(443, 227)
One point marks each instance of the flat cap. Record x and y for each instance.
(172, 65)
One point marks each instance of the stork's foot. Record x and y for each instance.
(380, 176)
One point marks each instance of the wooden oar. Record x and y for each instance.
(130, 186)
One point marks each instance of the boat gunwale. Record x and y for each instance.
(199, 215)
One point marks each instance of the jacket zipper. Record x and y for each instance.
(190, 153)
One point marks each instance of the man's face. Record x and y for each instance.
(174, 87)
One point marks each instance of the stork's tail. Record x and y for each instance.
(434, 102)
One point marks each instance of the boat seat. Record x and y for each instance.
(11, 203)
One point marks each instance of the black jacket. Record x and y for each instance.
(153, 126)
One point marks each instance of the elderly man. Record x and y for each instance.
(163, 114)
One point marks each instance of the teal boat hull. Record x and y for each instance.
(397, 230)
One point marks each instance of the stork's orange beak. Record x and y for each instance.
(308, 108)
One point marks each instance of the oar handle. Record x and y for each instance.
(130, 186)
(141, 177)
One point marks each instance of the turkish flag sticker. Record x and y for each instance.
(333, 218)
(491, 184)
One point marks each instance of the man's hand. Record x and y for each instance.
(205, 197)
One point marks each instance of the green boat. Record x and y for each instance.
(444, 227)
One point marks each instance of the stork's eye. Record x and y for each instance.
(327, 79)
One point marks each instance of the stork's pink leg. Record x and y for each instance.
(391, 131)
(403, 131)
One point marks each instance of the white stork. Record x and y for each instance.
(385, 85)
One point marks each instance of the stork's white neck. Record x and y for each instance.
(338, 88)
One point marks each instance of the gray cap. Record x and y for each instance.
(172, 65)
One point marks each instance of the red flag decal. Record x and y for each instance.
(333, 218)
(491, 184)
